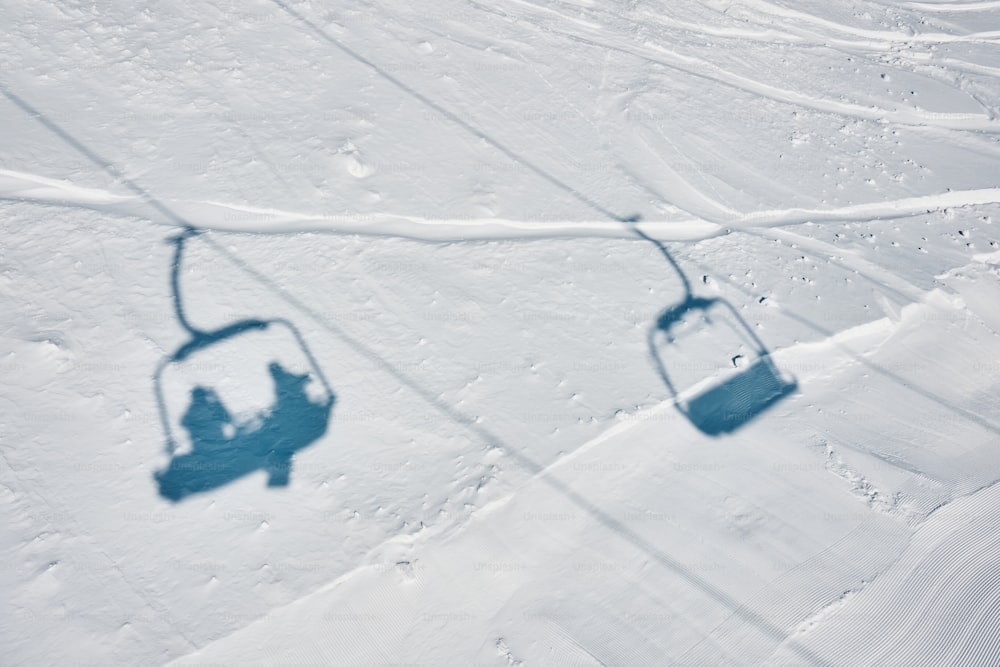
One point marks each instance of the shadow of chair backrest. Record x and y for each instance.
(719, 372)
(222, 446)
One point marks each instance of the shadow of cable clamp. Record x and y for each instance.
(242, 398)
(719, 372)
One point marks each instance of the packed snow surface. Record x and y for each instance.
(526, 332)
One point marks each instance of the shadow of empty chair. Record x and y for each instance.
(718, 370)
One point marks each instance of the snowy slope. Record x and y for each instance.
(450, 215)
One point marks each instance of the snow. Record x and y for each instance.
(528, 332)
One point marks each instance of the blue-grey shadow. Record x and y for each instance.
(727, 405)
(223, 450)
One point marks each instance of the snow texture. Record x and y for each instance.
(531, 332)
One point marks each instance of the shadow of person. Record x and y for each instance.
(223, 451)
(207, 420)
(295, 422)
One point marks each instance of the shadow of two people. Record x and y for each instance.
(223, 451)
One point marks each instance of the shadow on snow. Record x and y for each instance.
(223, 449)
(728, 397)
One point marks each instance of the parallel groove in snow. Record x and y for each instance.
(937, 605)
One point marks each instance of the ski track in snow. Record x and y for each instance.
(655, 52)
(800, 573)
(18, 186)
(946, 7)
(948, 571)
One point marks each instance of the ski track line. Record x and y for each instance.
(483, 513)
(953, 6)
(762, 31)
(614, 430)
(796, 16)
(940, 65)
(798, 36)
(701, 68)
(913, 117)
(18, 186)
(655, 53)
(805, 38)
(98, 200)
(880, 277)
(897, 208)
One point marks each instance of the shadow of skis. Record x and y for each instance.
(719, 373)
(220, 447)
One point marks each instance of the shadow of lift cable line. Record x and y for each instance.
(617, 526)
(716, 410)
(737, 610)
(612, 523)
(765, 376)
(221, 449)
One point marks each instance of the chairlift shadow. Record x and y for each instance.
(223, 446)
(717, 392)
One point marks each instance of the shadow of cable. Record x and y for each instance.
(612, 522)
(489, 439)
(717, 398)
(474, 131)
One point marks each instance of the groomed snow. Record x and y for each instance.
(548, 332)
